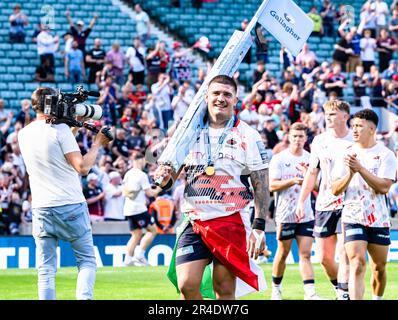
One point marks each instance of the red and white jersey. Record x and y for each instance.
(284, 166)
(228, 190)
(362, 204)
(324, 150)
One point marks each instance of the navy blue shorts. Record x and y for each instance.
(191, 247)
(288, 231)
(140, 221)
(327, 223)
(354, 231)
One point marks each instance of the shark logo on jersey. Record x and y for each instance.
(231, 143)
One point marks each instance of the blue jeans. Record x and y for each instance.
(69, 223)
(167, 118)
(75, 76)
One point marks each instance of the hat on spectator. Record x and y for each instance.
(176, 45)
(80, 23)
(113, 175)
(92, 176)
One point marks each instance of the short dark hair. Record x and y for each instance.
(37, 98)
(367, 114)
(139, 156)
(224, 79)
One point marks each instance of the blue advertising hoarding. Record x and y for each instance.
(20, 251)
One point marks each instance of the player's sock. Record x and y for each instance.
(309, 287)
(127, 259)
(374, 297)
(139, 253)
(276, 281)
(342, 291)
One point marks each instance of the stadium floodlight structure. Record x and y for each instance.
(228, 63)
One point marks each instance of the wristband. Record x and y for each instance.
(259, 224)
(167, 186)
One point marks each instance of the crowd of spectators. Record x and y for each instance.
(146, 90)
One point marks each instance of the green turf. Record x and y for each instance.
(150, 283)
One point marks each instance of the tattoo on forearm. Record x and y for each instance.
(260, 182)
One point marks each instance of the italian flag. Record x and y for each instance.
(226, 238)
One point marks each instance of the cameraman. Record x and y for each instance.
(54, 162)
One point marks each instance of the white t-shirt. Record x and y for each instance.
(228, 190)
(141, 20)
(362, 204)
(261, 120)
(113, 204)
(284, 166)
(134, 62)
(68, 44)
(324, 149)
(182, 104)
(46, 43)
(162, 96)
(249, 116)
(368, 48)
(381, 9)
(136, 180)
(53, 181)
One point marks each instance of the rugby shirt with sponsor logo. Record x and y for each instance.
(229, 189)
(362, 204)
(284, 166)
(324, 150)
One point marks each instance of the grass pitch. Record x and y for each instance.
(151, 283)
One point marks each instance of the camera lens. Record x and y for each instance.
(91, 111)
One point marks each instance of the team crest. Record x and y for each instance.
(231, 143)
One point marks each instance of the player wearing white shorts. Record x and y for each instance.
(365, 174)
(286, 173)
(327, 229)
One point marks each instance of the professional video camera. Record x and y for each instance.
(64, 107)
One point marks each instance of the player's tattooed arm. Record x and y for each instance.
(260, 183)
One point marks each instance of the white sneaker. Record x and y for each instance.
(129, 264)
(276, 294)
(312, 297)
(140, 262)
